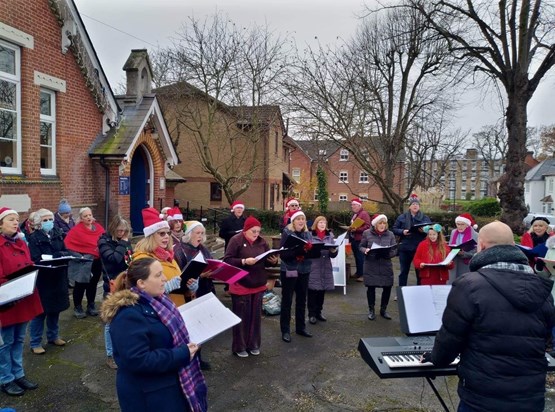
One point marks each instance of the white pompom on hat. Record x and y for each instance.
(152, 221)
(377, 218)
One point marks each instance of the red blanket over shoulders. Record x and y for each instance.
(84, 240)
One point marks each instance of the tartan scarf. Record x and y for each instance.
(190, 376)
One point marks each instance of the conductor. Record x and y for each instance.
(498, 318)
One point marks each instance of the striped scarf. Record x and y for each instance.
(190, 376)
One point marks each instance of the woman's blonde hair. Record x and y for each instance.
(317, 220)
(116, 222)
(148, 244)
(548, 228)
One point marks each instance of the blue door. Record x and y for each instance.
(139, 189)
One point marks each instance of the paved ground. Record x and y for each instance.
(324, 373)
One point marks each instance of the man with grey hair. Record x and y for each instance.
(498, 318)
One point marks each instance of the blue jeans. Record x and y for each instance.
(108, 340)
(37, 328)
(11, 352)
(359, 257)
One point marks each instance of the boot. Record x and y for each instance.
(384, 314)
(371, 313)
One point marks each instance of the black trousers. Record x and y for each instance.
(315, 302)
(371, 296)
(290, 286)
(80, 289)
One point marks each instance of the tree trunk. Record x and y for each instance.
(511, 188)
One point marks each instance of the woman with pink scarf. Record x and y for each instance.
(465, 231)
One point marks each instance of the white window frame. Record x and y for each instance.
(343, 197)
(52, 120)
(346, 179)
(315, 195)
(343, 155)
(14, 78)
(363, 175)
(363, 197)
(296, 174)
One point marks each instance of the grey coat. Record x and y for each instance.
(321, 273)
(461, 261)
(378, 269)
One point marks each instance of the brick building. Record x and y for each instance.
(55, 102)
(242, 144)
(346, 178)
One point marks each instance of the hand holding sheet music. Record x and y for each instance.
(445, 261)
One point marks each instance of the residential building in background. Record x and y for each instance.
(539, 187)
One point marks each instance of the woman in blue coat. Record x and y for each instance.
(157, 366)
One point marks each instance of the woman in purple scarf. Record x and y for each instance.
(464, 232)
(158, 369)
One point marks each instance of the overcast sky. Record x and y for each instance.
(148, 24)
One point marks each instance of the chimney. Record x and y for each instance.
(138, 72)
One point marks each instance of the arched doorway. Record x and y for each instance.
(141, 191)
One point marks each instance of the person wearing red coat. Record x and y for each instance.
(14, 317)
(433, 249)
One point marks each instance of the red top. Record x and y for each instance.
(84, 240)
(431, 275)
(13, 257)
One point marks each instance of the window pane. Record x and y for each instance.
(45, 134)
(46, 157)
(7, 153)
(45, 104)
(7, 60)
(8, 125)
(8, 95)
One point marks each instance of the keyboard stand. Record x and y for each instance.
(438, 396)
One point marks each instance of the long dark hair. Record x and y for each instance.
(139, 269)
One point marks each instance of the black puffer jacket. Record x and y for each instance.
(113, 254)
(498, 317)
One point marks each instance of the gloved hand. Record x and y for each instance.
(426, 357)
(193, 285)
(172, 284)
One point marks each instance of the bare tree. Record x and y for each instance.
(220, 78)
(513, 43)
(491, 143)
(368, 93)
(547, 139)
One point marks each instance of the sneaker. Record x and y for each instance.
(79, 313)
(242, 354)
(111, 363)
(38, 350)
(255, 352)
(91, 310)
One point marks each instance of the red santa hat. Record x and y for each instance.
(250, 223)
(377, 218)
(467, 219)
(357, 201)
(291, 200)
(5, 211)
(237, 203)
(297, 214)
(152, 221)
(174, 214)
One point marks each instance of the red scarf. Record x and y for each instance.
(321, 234)
(84, 240)
(163, 254)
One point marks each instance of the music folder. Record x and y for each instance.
(19, 287)
(206, 317)
(194, 267)
(224, 271)
(416, 228)
(465, 246)
(421, 308)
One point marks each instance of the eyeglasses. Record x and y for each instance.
(47, 220)
(162, 234)
(255, 231)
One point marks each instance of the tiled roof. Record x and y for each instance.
(118, 140)
(318, 149)
(545, 168)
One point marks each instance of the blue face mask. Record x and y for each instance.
(47, 226)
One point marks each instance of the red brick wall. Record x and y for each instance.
(78, 120)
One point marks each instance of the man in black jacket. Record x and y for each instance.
(234, 223)
(498, 318)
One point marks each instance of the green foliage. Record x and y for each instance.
(487, 206)
(322, 190)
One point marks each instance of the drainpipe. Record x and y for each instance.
(107, 191)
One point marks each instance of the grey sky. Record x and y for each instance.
(156, 22)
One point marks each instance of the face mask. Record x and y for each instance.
(47, 226)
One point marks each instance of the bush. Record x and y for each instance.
(487, 206)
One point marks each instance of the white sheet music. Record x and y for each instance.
(341, 238)
(206, 317)
(424, 306)
(18, 288)
(447, 259)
